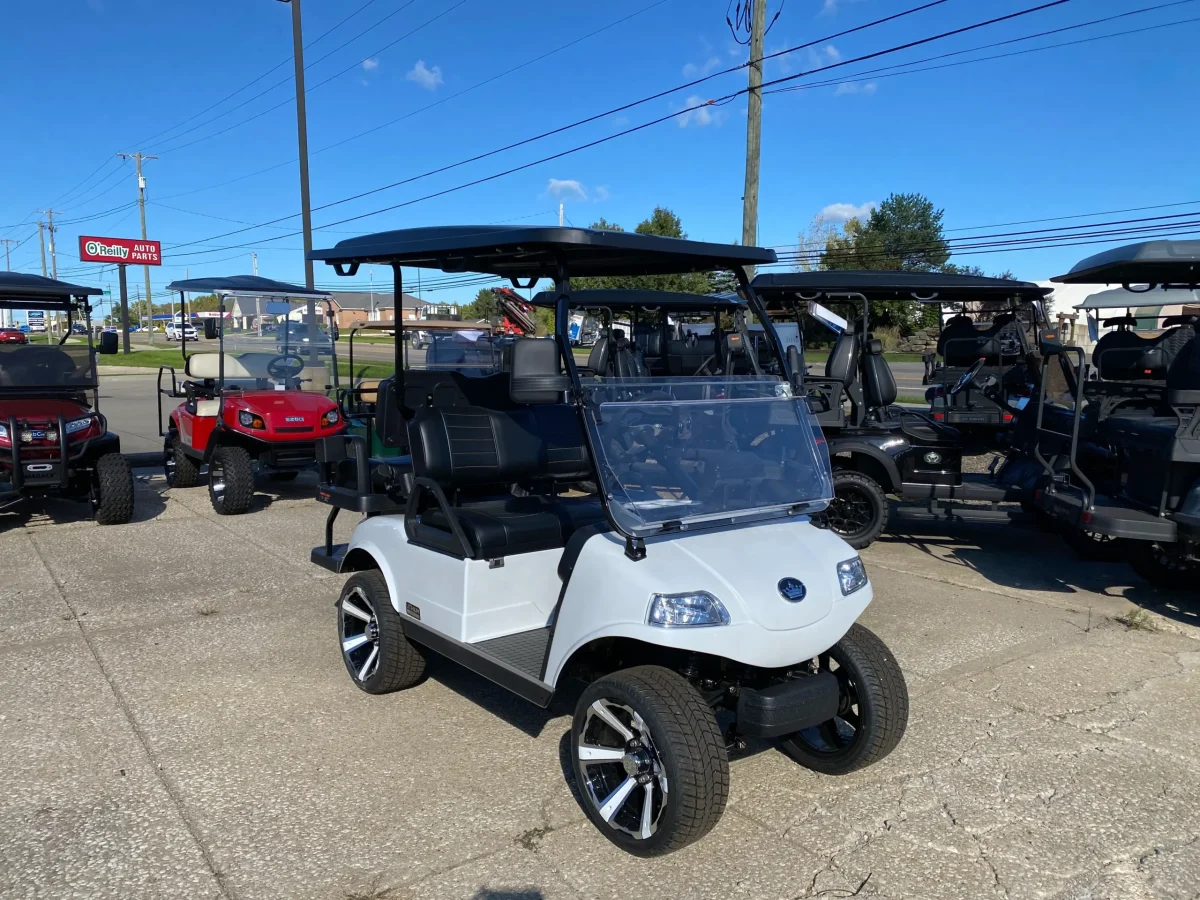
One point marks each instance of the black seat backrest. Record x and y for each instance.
(685, 356)
(537, 374)
(842, 364)
(737, 356)
(423, 387)
(649, 340)
(1183, 378)
(1117, 355)
(959, 342)
(879, 386)
(468, 446)
(600, 357)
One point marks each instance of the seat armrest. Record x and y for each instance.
(422, 484)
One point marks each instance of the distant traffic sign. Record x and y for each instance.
(122, 251)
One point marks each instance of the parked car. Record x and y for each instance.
(294, 337)
(179, 331)
(79, 328)
(13, 336)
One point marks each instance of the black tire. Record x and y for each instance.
(285, 475)
(113, 487)
(858, 511)
(387, 661)
(678, 741)
(873, 713)
(230, 481)
(182, 471)
(1162, 566)
(1095, 547)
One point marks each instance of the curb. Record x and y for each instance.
(126, 370)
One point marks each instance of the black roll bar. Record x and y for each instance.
(1089, 489)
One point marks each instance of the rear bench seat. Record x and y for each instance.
(472, 450)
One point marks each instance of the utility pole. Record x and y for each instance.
(560, 215)
(305, 206)
(50, 228)
(6, 315)
(758, 28)
(254, 263)
(42, 242)
(137, 158)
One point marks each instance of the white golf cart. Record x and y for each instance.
(688, 585)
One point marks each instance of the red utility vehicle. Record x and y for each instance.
(249, 407)
(53, 439)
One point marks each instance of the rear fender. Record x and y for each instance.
(870, 460)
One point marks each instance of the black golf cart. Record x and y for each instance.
(1134, 436)
(688, 584)
(880, 450)
(53, 439)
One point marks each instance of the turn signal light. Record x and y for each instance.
(250, 420)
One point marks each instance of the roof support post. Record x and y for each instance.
(398, 307)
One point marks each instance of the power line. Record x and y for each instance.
(286, 102)
(430, 106)
(871, 74)
(722, 100)
(623, 108)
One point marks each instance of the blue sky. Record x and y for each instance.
(1081, 129)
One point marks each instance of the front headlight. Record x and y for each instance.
(330, 418)
(250, 420)
(77, 425)
(680, 610)
(852, 575)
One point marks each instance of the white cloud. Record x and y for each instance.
(600, 193)
(844, 212)
(697, 112)
(853, 87)
(691, 70)
(364, 82)
(426, 78)
(370, 64)
(832, 53)
(566, 189)
(831, 7)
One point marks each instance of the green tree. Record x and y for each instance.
(484, 306)
(664, 223)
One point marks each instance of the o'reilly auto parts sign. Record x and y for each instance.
(122, 251)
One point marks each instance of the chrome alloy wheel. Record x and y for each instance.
(360, 633)
(624, 776)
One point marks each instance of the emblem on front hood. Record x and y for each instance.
(294, 419)
(792, 589)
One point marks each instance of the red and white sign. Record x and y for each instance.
(122, 251)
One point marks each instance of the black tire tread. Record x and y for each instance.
(697, 746)
(401, 662)
(239, 480)
(114, 483)
(187, 470)
(882, 681)
(869, 484)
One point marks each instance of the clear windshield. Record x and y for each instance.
(680, 451)
(46, 366)
(473, 352)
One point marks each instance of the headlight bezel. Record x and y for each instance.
(252, 420)
(671, 610)
(330, 418)
(852, 575)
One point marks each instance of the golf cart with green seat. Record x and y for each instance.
(690, 586)
(893, 463)
(249, 407)
(1134, 468)
(53, 439)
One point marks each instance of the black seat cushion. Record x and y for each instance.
(959, 341)
(509, 525)
(1117, 354)
(467, 445)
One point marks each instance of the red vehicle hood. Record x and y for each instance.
(42, 410)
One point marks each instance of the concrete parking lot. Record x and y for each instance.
(176, 722)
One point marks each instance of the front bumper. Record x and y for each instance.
(788, 707)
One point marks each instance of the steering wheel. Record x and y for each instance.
(285, 366)
(968, 378)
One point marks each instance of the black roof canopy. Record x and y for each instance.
(1150, 262)
(525, 252)
(244, 285)
(927, 287)
(21, 291)
(637, 299)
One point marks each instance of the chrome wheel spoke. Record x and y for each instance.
(366, 666)
(591, 754)
(356, 611)
(611, 721)
(350, 644)
(617, 798)
(647, 809)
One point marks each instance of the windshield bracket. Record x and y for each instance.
(635, 548)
